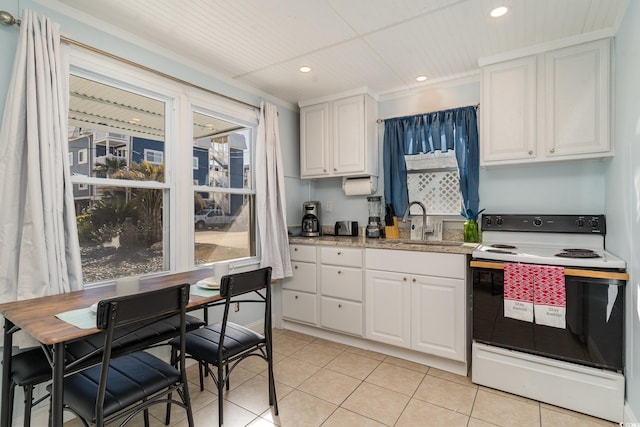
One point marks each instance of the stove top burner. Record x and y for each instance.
(502, 246)
(500, 251)
(577, 253)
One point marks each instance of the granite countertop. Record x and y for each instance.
(444, 246)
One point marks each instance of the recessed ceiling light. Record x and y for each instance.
(305, 69)
(499, 11)
(421, 78)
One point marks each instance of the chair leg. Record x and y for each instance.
(221, 381)
(28, 401)
(226, 378)
(201, 367)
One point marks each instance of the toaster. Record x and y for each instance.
(346, 228)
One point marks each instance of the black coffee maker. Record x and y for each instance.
(311, 219)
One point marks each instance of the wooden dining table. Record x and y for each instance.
(37, 317)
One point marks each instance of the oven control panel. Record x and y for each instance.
(587, 224)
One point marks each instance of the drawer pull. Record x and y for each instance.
(339, 272)
(296, 297)
(414, 280)
(295, 268)
(295, 249)
(339, 305)
(339, 253)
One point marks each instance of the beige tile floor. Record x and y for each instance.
(321, 383)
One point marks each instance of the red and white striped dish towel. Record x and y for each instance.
(549, 295)
(518, 292)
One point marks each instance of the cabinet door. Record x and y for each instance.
(508, 111)
(349, 135)
(314, 141)
(577, 100)
(438, 316)
(388, 308)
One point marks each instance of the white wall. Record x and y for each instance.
(622, 193)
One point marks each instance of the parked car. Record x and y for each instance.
(212, 218)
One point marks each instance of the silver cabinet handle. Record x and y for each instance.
(553, 150)
(530, 152)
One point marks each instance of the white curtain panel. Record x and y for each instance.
(39, 249)
(270, 195)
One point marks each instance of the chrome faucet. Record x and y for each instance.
(424, 217)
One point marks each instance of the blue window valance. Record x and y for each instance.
(445, 130)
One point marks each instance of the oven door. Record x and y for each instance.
(594, 318)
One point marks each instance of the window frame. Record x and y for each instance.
(148, 152)
(83, 156)
(249, 120)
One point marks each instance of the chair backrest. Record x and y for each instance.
(141, 308)
(128, 309)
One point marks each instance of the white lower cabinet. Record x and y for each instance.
(341, 282)
(417, 311)
(388, 307)
(413, 300)
(299, 291)
(438, 316)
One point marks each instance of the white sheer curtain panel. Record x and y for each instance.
(39, 249)
(270, 195)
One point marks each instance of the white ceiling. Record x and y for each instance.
(379, 44)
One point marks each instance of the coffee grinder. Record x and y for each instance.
(374, 227)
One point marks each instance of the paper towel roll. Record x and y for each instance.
(360, 186)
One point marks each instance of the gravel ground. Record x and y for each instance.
(100, 263)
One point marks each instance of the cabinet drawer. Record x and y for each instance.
(299, 306)
(303, 279)
(349, 257)
(341, 282)
(424, 263)
(303, 253)
(344, 316)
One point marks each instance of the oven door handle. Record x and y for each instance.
(591, 274)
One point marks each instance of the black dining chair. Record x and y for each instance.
(224, 345)
(28, 369)
(31, 367)
(119, 388)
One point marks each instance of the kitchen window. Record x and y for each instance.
(131, 220)
(223, 194)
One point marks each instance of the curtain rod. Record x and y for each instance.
(7, 19)
(474, 106)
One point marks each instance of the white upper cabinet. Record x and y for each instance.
(508, 111)
(577, 100)
(547, 107)
(339, 138)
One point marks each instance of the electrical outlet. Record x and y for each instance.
(237, 308)
(328, 206)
